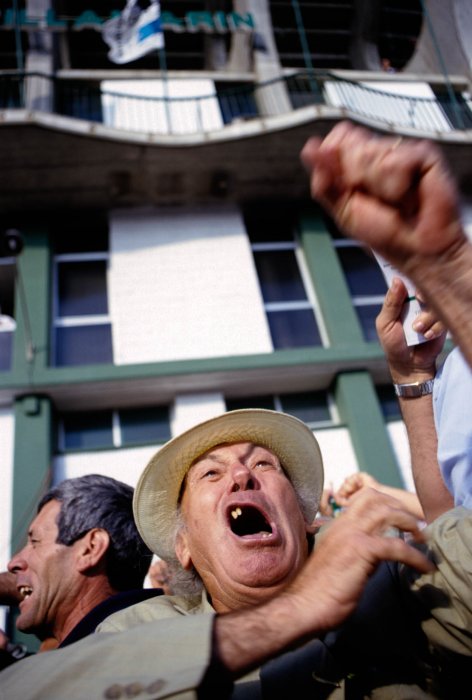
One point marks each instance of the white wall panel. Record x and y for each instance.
(182, 285)
(339, 458)
(401, 447)
(123, 464)
(195, 408)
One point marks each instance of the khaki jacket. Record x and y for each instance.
(164, 647)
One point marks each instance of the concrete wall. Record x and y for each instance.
(451, 23)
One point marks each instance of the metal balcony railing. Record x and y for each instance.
(155, 106)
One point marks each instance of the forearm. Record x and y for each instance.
(433, 495)
(245, 640)
(434, 498)
(8, 591)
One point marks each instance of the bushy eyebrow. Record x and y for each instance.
(32, 534)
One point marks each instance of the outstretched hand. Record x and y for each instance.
(349, 552)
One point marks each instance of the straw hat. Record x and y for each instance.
(157, 493)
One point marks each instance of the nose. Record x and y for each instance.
(243, 478)
(16, 563)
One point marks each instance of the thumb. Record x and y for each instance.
(393, 303)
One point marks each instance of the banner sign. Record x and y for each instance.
(209, 22)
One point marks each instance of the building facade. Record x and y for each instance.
(169, 263)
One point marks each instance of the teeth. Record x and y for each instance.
(25, 591)
(236, 513)
(265, 534)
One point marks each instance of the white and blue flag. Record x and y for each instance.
(134, 32)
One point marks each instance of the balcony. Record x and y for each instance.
(80, 141)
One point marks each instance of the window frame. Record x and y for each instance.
(311, 301)
(358, 300)
(76, 321)
(117, 441)
(334, 420)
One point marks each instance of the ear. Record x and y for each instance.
(182, 550)
(93, 548)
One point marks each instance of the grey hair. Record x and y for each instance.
(183, 582)
(96, 501)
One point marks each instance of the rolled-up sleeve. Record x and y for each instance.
(445, 595)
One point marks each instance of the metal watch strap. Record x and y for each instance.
(414, 390)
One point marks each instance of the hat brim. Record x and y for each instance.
(156, 496)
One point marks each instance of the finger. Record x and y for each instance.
(386, 167)
(325, 507)
(396, 549)
(375, 513)
(428, 324)
(309, 151)
(437, 330)
(350, 485)
(392, 307)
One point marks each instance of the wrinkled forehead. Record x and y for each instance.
(243, 450)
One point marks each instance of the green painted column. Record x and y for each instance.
(32, 461)
(360, 410)
(32, 304)
(332, 292)
(31, 475)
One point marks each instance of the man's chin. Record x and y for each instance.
(266, 570)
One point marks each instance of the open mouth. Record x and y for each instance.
(248, 520)
(25, 591)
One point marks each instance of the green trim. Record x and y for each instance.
(32, 303)
(55, 376)
(360, 410)
(32, 460)
(332, 292)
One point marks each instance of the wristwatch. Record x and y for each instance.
(414, 390)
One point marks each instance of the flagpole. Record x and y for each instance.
(163, 68)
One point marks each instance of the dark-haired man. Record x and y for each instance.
(83, 559)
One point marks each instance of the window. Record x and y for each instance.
(237, 101)
(180, 106)
(312, 407)
(7, 321)
(82, 326)
(289, 299)
(327, 28)
(365, 281)
(80, 99)
(109, 429)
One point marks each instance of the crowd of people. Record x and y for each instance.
(263, 603)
